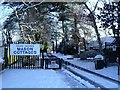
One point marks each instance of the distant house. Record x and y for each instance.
(104, 40)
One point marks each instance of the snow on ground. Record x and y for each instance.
(41, 78)
(101, 81)
(0, 81)
(1, 60)
(38, 78)
(111, 71)
(1, 55)
(73, 80)
(62, 55)
(86, 83)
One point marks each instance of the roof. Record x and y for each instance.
(107, 39)
(103, 40)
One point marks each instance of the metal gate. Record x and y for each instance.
(23, 61)
(52, 62)
(28, 62)
(31, 61)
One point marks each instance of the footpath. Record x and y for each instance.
(31, 78)
(109, 71)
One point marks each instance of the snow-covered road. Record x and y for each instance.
(73, 80)
(39, 78)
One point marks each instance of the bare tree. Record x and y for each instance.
(92, 16)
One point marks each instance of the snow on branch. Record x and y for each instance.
(33, 5)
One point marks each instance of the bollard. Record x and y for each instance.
(60, 63)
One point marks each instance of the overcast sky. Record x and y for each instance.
(5, 11)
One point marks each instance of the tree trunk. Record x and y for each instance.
(97, 33)
(56, 44)
(64, 38)
(84, 42)
(95, 27)
(76, 33)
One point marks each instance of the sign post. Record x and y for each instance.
(24, 49)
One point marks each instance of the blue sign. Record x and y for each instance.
(24, 49)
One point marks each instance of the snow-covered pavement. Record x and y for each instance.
(0, 81)
(111, 71)
(47, 78)
(41, 78)
(101, 81)
(38, 78)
